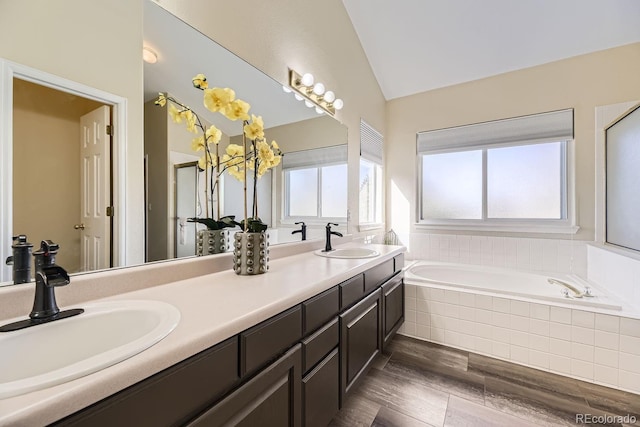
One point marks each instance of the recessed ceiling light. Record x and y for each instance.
(149, 56)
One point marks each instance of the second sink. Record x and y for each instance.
(349, 253)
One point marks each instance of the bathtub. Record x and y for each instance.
(565, 289)
(522, 318)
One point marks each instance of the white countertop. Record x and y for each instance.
(213, 307)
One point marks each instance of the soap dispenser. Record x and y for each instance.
(21, 259)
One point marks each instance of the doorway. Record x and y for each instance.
(48, 190)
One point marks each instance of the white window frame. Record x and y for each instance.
(565, 225)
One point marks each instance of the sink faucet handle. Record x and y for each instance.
(48, 247)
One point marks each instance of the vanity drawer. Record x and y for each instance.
(170, 397)
(263, 342)
(375, 276)
(318, 345)
(319, 309)
(351, 291)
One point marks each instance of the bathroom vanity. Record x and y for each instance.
(283, 348)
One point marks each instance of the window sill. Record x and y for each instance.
(507, 228)
(370, 227)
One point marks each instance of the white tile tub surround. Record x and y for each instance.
(594, 347)
(528, 254)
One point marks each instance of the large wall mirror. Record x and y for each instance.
(54, 148)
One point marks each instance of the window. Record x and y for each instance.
(506, 173)
(371, 179)
(315, 183)
(623, 180)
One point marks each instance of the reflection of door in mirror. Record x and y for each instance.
(47, 170)
(186, 206)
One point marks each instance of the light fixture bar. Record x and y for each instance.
(307, 92)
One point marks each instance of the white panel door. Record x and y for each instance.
(95, 197)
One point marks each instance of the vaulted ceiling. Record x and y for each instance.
(419, 45)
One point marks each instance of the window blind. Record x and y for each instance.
(371, 143)
(551, 126)
(315, 157)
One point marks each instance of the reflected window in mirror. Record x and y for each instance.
(315, 184)
(371, 176)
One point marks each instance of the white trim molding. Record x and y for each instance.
(10, 70)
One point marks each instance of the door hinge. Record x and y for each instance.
(110, 210)
(109, 130)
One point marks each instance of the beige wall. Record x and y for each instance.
(46, 161)
(96, 43)
(582, 83)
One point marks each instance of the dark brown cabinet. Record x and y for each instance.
(321, 391)
(293, 369)
(393, 307)
(171, 397)
(267, 340)
(360, 339)
(271, 398)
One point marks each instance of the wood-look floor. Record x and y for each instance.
(423, 384)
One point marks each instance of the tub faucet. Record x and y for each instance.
(576, 293)
(303, 230)
(48, 276)
(327, 246)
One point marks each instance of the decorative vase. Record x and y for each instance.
(212, 242)
(251, 253)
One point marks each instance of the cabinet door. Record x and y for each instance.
(321, 392)
(393, 305)
(271, 398)
(360, 339)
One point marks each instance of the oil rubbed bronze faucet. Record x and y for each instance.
(327, 246)
(302, 230)
(48, 276)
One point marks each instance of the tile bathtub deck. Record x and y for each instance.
(424, 384)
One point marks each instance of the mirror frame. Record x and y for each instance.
(10, 70)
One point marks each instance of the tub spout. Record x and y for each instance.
(576, 291)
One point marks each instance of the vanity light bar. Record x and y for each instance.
(303, 85)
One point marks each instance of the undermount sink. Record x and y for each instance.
(106, 333)
(349, 253)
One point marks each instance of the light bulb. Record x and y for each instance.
(329, 96)
(298, 97)
(307, 79)
(308, 104)
(338, 104)
(286, 89)
(319, 110)
(318, 89)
